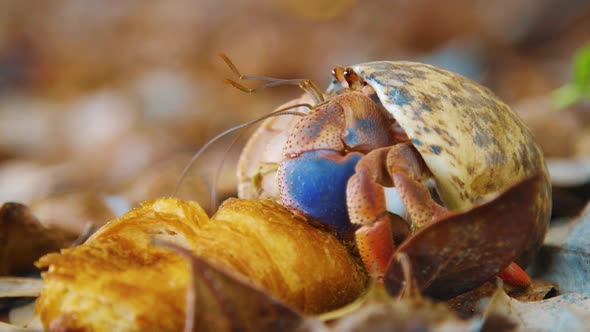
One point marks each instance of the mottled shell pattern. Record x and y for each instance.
(473, 143)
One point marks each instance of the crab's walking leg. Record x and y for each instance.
(400, 166)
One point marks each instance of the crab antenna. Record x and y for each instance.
(282, 111)
(213, 193)
(305, 84)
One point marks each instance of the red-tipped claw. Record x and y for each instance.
(515, 276)
(375, 245)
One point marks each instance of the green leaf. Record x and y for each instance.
(582, 68)
(579, 88)
(566, 96)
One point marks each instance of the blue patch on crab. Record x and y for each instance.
(362, 127)
(314, 184)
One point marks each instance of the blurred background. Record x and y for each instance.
(103, 98)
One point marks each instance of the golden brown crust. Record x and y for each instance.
(307, 268)
(117, 280)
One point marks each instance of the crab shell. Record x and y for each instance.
(473, 143)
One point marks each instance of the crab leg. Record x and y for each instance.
(401, 166)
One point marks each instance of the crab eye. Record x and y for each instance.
(338, 73)
(353, 80)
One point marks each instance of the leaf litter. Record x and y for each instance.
(509, 308)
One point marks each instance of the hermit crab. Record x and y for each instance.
(406, 159)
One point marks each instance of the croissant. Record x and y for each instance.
(118, 280)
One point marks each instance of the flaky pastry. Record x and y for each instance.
(119, 281)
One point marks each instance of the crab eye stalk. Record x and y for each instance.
(339, 75)
(352, 79)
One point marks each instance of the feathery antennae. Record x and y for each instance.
(282, 111)
(305, 84)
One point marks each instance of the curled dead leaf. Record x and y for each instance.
(565, 255)
(462, 251)
(221, 300)
(569, 172)
(468, 304)
(5, 327)
(18, 228)
(73, 210)
(569, 202)
(20, 287)
(15, 291)
(380, 312)
(25, 317)
(376, 310)
(569, 312)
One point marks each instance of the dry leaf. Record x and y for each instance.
(537, 291)
(464, 250)
(4, 327)
(569, 172)
(381, 312)
(23, 239)
(73, 210)
(221, 300)
(565, 255)
(376, 310)
(541, 117)
(25, 317)
(20, 287)
(569, 202)
(161, 179)
(569, 312)
(16, 291)
(468, 304)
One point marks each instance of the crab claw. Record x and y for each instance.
(515, 276)
(375, 246)
(314, 184)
